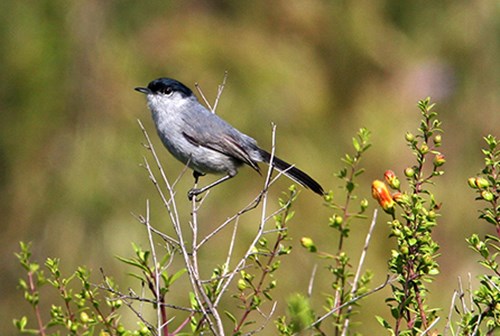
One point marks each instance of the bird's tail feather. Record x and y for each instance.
(293, 173)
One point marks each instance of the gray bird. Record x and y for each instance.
(203, 141)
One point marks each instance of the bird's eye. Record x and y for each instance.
(167, 90)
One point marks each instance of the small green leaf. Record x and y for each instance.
(230, 316)
(356, 144)
(384, 323)
(21, 324)
(177, 275)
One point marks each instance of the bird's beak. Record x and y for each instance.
(143, 90)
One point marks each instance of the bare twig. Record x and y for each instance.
(126, 299)
(139, 315)
(388, 281)
(190, 244)
(171, 207)
(448, 320)
(260, 229)
(220, 89)
(266, 320)
(205, 100)
(160, 310)
(252, 205)
(469, 288)
(430, 326)
(229, 252)
(164, 236)
(311, 281)
(228, 275)
(181, 174)
(462, 294)
(354, 288)
(134, 297)
(193, 260)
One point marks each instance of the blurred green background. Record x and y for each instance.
(70, 145)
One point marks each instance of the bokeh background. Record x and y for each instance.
(70, 145)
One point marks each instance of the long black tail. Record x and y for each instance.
(293, 172)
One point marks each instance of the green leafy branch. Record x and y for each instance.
(483, 316)
(414, 260)
(83, 312)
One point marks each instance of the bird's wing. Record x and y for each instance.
(221, 137)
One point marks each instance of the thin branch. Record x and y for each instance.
(174, 218)
(258, 235)
(229, 252)
(252, 205)
(183, 324)
(354, 288)
(388, 281)
(276, 230)
(196, 273)
(32, 288)
(220, 89)
(430, 326)
(311, 281)
(494, 285)
(478, 323)
(162, 235)
(125, 299)
(266, 320)
(205, 100)
(208, 307)
(462, 295)
(471, 295)
(181, 174)
(448, 320)
(160, 311)
(134, 297)
(139, 315)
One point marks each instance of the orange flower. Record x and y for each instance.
(381, 193)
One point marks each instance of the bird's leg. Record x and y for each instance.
(195, 192)
(197, 175)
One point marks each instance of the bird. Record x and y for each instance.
(204, 141)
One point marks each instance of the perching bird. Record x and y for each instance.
(205, 142)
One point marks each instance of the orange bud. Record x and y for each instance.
(398, 197)
(482, 183)
(382, 195)
(389, 174)
(439, 160)
(391, 179)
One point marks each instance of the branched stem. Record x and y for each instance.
(32, 288)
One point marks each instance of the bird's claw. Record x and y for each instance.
(193, 193)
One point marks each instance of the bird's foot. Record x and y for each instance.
(193, 193)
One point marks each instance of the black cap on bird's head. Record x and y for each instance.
(165, 86)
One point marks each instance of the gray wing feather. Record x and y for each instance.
(212, 132)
